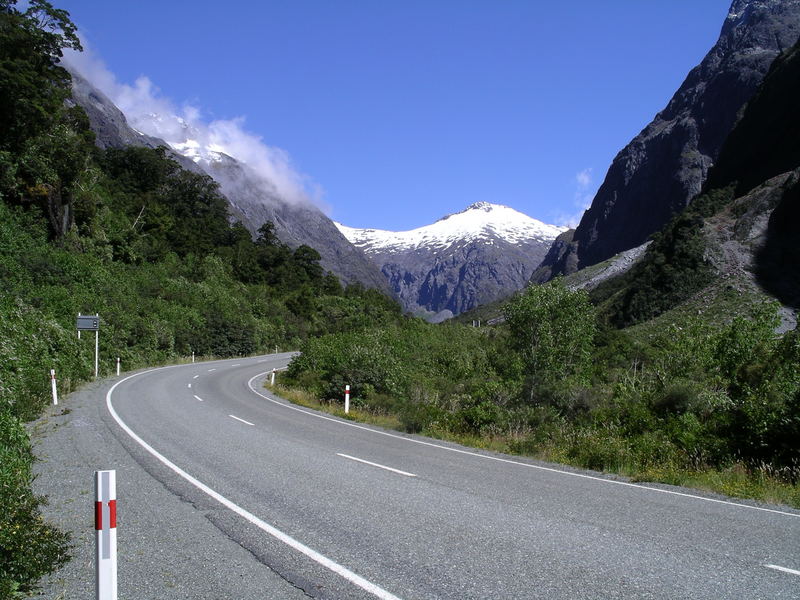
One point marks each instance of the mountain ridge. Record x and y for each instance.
(658, 173)
(478, 255)
(253, 198)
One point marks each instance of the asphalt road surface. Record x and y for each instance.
(333, 509)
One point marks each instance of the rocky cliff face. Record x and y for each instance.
(479, 255)
(665, 166)
(253, 199)
(736, 245)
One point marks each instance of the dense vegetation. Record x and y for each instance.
(128, 234)
(694, 399)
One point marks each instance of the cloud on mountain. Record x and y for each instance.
(149, 112)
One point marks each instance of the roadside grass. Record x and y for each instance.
(598, 453)
(304, 398)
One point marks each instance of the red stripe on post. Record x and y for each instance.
(98, 515)
(112, 513)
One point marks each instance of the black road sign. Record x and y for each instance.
(88, 323)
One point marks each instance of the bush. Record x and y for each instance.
(552, 329)
(29, 547)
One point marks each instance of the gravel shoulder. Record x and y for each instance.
(167, 547)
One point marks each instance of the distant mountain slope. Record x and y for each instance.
(478, 255)
(659, 172)
(253, 199)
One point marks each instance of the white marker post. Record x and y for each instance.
(192, 356)
(272, 378)
(105, 524)
(346, 399)
(118, 366)
(53, 384)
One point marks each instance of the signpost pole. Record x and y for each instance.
(91, 323)
(96, 352)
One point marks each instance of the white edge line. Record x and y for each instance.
(197, 397)
(784, 569)
(366, 462)
(242, 420)
(513, 462)
(343, 572)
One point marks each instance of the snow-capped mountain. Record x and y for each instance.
(478, 255)
(481, 220)
(253, 197)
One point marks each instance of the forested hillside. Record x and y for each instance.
(130, 235)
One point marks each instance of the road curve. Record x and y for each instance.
(341, 510)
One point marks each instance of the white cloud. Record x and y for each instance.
(149, 112)
(582, 198)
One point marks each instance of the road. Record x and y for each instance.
(341, 510)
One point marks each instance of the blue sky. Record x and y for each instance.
(399, 112)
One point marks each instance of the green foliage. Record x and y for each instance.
(552, 328)
(673, 268)
(29, 547)
(695, 398)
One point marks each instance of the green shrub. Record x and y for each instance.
(29, 547)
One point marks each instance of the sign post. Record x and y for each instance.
(91, 323)
(105, 524)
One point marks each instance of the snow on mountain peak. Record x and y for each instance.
(482, 220)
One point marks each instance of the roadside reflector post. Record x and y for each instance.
(346, 399)
(193, 356)
(53, 385)
(272, 378)
(105, 524)
(118, 365)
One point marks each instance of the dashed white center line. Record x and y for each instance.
(242, 420)
(214, 369)
(198, 398)
(784, 569)
(236, 364)
(196, 376)
(190, 385)
(372, 464)
(320, 559)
